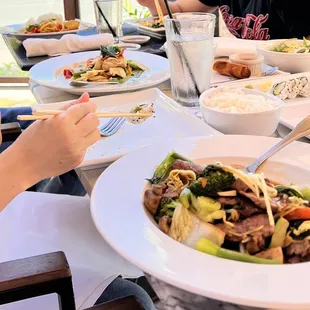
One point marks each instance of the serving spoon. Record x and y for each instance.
(300, 131)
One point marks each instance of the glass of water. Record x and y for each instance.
(190, 52)
(113, 12)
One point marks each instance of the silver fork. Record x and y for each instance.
(301, 130)
(112, 126)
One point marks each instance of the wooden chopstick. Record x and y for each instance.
(49, 113)
(159, 11)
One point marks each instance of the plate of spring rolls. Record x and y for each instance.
(195, 220)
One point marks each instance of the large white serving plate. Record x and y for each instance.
(122, 220)
(171, 121)
(48, 73)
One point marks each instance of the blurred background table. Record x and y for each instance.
(19, 53)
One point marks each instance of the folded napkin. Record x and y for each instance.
(69, 43)
(229, 46)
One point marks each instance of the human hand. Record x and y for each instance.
(56, 145)
(146, 2)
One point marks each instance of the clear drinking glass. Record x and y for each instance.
(113, 12)
(190, 52)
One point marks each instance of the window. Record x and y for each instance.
(16, 12)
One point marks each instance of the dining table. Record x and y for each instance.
(170, 298)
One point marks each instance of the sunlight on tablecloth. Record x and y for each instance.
(11, 98)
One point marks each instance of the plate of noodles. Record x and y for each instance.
(195, 220)
(112, 69)
(49, 26)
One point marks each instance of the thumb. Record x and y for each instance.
(84, 98)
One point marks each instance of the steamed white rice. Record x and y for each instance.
(237, 101)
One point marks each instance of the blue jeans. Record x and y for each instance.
(68, 183)
(121, 288)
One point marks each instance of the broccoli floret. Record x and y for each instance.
(166, 207)
(211, 181)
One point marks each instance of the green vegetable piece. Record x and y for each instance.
(306, 193)
(110, 51)
(290, 191)
(249, 86)
(206, 208)
(279, 234)
(216, 179)
(185, 198)
(167, 207)
(135, 65)
(78, 74)
(163, 170)
(208, 247)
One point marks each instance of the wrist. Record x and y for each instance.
(15, 165)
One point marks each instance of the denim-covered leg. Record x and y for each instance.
(120, 288)
(65, 184)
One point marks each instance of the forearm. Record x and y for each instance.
(14, 176)
(181, 6)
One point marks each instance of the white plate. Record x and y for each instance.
(128, 46)
(292, 115)
(20, 35)
(275, 79)
(123, 222)
(135, 39)
(170, 122)
(48, 73)
(135, 22)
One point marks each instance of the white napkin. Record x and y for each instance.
(69, 43)
(229, 46)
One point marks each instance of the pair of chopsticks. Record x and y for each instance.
(46, 114)
(159, 11)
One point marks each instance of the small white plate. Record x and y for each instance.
(124, 223)
(49, 73)
(135, 39)
(171, 121)
(128, 46)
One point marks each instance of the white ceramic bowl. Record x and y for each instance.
(293, 63)
(255, 123)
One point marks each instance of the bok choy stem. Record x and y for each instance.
(208, 247)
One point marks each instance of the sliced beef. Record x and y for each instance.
(300, 249)
(151, 201)
(164, 224)
(159, 189)
(247, 207)
(257, 239)
(298, 259)
(172, 193)
(259, 201)
(228, 201)
(239, 186)
(256, 244)
(185, 165)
